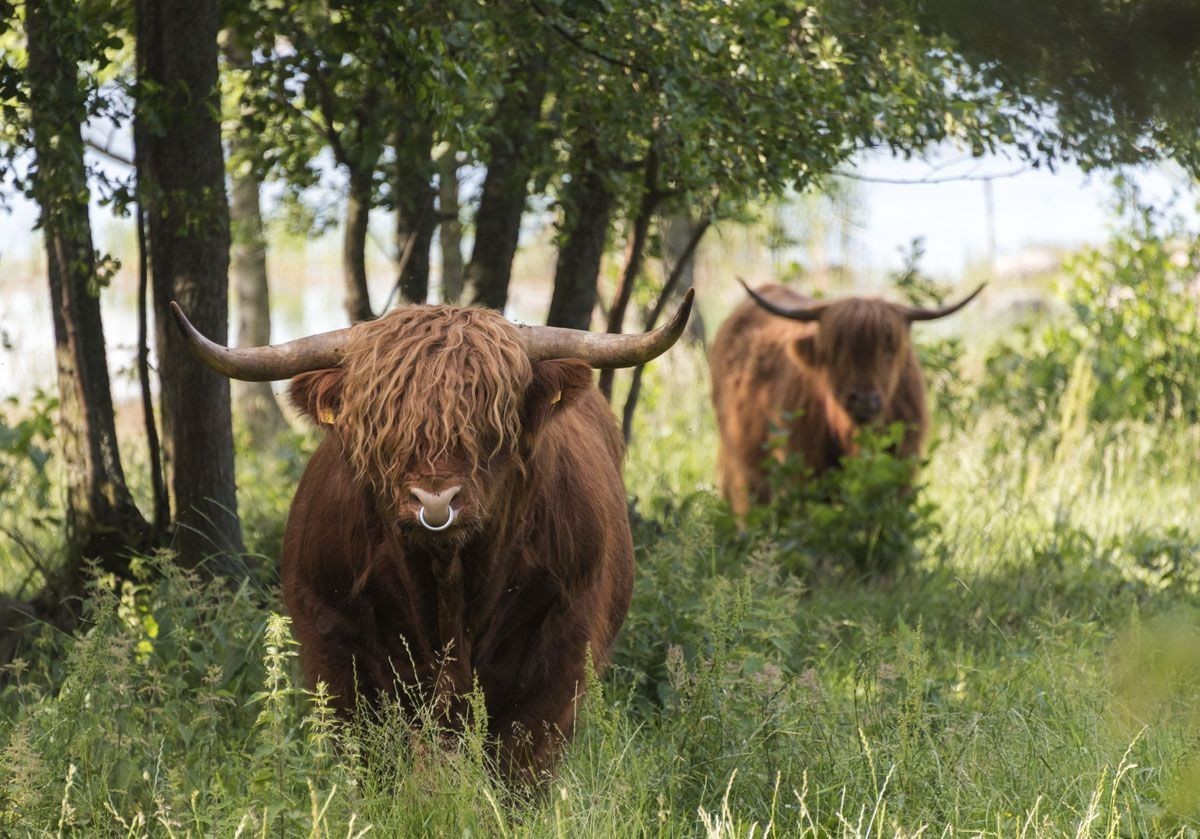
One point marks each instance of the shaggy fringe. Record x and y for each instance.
(426, 381)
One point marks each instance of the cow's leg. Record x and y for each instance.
(541, 719)
(734, 485)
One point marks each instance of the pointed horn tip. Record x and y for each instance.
(679, 321)
(185, 325)
(689, 298)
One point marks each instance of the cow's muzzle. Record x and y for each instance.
(435, 513)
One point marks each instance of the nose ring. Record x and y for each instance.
(449, 520)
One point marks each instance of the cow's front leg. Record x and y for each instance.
(550, 683)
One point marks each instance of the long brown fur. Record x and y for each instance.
(539, 571)
(766, 368)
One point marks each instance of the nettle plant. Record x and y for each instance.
(865, 518)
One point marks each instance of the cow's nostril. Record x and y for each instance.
(436, 512)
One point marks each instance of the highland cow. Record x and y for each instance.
(464, 520)
(817, 371)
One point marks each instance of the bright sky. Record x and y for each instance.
(1064, 208)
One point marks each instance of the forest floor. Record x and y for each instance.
(1032, 670)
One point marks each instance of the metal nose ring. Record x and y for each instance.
(449, 520)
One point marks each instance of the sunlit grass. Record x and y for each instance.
(1035, 673)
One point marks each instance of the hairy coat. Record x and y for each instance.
(819, 381)
(538, 569)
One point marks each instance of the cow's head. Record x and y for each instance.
(438, 408)
(861, 344)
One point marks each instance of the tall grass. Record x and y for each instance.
(1035, 672)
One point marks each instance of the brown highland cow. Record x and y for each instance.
(464, 518)
(830, 366)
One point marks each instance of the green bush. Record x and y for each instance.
(865, 517)
(1128, 346)
(30, 509)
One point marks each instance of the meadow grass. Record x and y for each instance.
(1036, 672)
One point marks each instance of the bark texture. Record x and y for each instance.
(415, 216)
(450, 231)
(354, 245)
(183, 177)
(254, 402)
(102, 520)
(511, 154)
(587, 208)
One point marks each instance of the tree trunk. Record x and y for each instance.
(415, 218)
(184, 185)
(677, 283)
(254, 402)
(450, 232)
(587, 207)
(102, 521)
(678, 229)
(354, 244)
(635, 253)
(509, 165)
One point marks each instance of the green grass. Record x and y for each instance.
(1035, 673)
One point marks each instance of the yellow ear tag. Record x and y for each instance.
(557, 398)
(325, 416)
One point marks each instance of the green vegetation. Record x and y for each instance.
(1029, 667)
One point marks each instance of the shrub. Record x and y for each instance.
(1128, 347)
(30, 512)
(865, 517)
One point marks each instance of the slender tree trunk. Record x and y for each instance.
(587, 207)
(102, 521)
(678, 281)
(678, 229)
(254, 402)
(635, 253)
(184, 186)
(158, 481)
(511, 155)
(415, 218)
(354, 244)
(450, 231)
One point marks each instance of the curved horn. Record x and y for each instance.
(806, 313)
(603, 349)
(265, 364)
(920, 313)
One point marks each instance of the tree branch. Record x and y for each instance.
(109, 154)
(930, 181)
(660, 305)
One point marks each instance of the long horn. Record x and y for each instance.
(806, 313)
(920, 313)
(265, 364)
(602, 349)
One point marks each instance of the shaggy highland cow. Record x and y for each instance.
(464, 518)
(819, 370)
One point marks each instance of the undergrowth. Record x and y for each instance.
(1030, 672)
(1027, 664)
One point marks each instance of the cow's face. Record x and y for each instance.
(861, 345)
(439, 411)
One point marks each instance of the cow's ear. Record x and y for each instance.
(804, 351)
(555, 387)
(318, 394)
